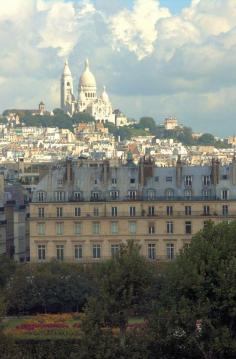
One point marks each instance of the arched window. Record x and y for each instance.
(169, 193)
(188, 194)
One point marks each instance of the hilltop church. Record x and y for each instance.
(88, 101)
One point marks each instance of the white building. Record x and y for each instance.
(88, 101)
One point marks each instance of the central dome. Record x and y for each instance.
(87, 79)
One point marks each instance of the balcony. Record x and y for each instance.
(140, 214)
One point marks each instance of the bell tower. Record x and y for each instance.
(66, 88)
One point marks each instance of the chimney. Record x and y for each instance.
(179, 169)
(69, 170)
(215, 171)
(233, 173)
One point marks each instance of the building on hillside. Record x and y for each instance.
(83, 210)
(87, 101)
(171, 123)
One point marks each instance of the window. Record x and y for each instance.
(169, 193)
(96, 212)
(206, 210)
(188, 227)
(115, 248)
(188, 210)
(95, 196)
(41, 212)
(78, 251)
(156, 179)
(59, 212)
(78, 228)
(170, 251)
(169, 227)
(188, 180)
(151, 211)
(41, 196)
(151, 251)
(225, 210)
(151, 194)
(206, 193)
(41, 229)
(114, 228)
(151, 228)
(225, 194)
(59, 196)
(59, 228)
(96, 228)
(188, 194)
(96, 251)
(224, 177)
(60, 252)
(41, 252)
(77, 196)
(169, 210)
(132, 227)
(206, 180)
(77, 212)
(132, 180)
(114, 194)
(168, 179)
(60, 182)
(114, 211)
(132, 194)
(132, 211)
(114, 181)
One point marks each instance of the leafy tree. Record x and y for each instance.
(147, 122)
(7, 269)
(195, 315)
(207, 139)
(124, 283)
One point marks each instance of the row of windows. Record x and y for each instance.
(188, 180)
(97, 251)
(132, 211)
(59, 196)
(114, 229)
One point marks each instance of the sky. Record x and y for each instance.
(157, 58)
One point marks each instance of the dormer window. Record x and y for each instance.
(95, 196)
(114, 194)
(77, 196)
(188, 194)
(114, 181)
(59, 196)
(132, 194)
(169, 193)
(188, 180)
(41, 196)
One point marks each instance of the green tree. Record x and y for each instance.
(207, 139)
(147, 122)
(124, 283)
(195, 315)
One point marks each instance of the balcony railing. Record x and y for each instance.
(138, 214)
(91, 260)
(104, 198)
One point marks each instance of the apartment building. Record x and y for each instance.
(83, 210)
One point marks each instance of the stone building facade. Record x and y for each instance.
(83, 210)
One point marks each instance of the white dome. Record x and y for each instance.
(87, 79)
(104, 95)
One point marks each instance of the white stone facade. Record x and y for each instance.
(88, 101)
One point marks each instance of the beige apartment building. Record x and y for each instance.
(82, 211)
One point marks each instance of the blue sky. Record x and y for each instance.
(175, 5)
(154, 61)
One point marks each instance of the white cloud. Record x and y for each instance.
(152, 61)
(136, 28)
